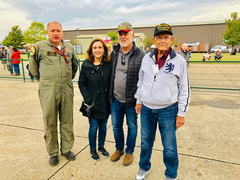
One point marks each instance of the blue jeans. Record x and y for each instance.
(118, 109)
(16, 68)
(165, 119)
(99, 125)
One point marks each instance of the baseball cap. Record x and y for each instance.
(163, 28)
(125, 26)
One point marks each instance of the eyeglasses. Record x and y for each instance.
(123, 59)
(165, 38)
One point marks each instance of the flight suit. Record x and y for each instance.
(55, 75)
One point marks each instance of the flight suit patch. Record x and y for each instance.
(32, 51)
(51, 53)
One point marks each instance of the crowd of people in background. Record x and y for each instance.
(10, 60)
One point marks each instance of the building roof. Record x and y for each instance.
(145, 26)
(104, 35)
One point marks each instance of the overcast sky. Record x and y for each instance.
(74, 14)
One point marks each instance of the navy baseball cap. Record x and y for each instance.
(163, 28)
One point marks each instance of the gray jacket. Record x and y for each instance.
(185, 55)
(166, 87)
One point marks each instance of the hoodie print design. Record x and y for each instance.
(169, 68)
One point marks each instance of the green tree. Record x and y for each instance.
(232, 35)
(113, 35)
(36, 32)
(148, 41)
(14, 38)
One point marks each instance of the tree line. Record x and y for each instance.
(17, 38)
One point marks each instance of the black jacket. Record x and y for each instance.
(134, 64)
(94, 87)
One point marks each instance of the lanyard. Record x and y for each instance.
(63, 54)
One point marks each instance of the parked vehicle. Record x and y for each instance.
(220, 48)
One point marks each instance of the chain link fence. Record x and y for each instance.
(207, 76)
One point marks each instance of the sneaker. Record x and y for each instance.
(94, 155)
(116, 155)
(53, 161)
(141, 175)
(128, 159)
(103, 151)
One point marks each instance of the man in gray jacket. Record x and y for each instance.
(184, 52)
(162, 98)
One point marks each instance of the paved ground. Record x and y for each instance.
(209, 143)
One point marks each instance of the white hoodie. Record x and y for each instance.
(165, 87)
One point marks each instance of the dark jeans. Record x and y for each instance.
(165, 119)
(118, 109)
(99, 125)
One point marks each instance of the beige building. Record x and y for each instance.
(84, 40)
(207, 32)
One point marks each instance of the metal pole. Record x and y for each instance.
(23, 73)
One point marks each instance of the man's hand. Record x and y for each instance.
(138, 108)
(180, 121)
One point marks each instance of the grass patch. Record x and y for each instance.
(226, 57)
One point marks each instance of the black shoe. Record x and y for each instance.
(53, 161)
(69, 156)
(94, 155)
(103, 151)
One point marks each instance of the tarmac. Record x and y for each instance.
(208, 144)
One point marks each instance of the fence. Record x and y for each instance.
(209, 76)
(215, 76)
(5, 74)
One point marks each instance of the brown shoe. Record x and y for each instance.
(116, 155)
(128, 159)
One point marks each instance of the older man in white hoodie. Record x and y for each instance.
(162, 99)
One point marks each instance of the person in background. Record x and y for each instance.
(54, 64)
(126, 60)
(9, 63)
(162, 99)
(3, 55)
(93, 83)
(15, 56)
(218, 56)
(234, 52)
(27, 66)
(207, 56)
(184, 52)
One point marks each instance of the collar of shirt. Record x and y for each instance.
(161, 61)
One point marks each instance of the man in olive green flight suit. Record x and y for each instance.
(54, 64)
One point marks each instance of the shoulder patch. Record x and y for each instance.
(32, 52)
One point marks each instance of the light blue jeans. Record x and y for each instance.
(118, 109)
(165, 119)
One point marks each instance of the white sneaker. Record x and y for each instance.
(141, 175)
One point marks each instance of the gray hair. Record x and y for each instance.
(53, 22)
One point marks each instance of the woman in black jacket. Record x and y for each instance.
(93, 83)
